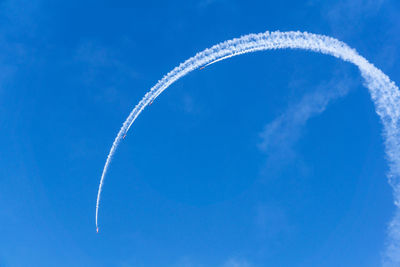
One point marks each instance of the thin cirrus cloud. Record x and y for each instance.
(280, 135)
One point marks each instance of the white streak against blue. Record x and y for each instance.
(385, 95)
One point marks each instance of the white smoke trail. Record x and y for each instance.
(226, 57)
(385, 95)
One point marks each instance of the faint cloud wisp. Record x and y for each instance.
(280, 135)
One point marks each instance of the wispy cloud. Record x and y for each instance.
(279, 136)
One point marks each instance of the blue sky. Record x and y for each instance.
(269, 159)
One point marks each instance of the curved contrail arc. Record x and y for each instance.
(384, 93)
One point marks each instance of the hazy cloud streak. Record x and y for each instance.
(279, 136)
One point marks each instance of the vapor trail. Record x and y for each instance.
(384, 93)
